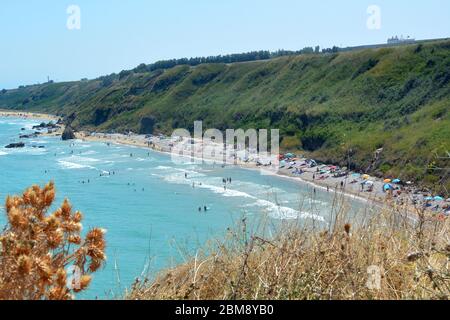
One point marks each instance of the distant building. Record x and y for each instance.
(401, 40)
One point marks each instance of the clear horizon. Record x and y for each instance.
(115, 36)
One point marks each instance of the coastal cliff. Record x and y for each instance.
(384, 111)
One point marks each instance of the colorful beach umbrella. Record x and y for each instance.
(387, 187)
(387, 180)
(438, 198)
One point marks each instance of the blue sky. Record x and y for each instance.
(116, 34)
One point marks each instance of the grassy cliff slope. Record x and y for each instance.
(339, 107)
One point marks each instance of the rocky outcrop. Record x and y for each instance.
(30, 136)
(68, 134)
(15, 145)
(44, 125)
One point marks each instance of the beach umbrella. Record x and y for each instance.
(396, 181)
(387, 187)
(366, 177)
(438, 198)
(387, 180)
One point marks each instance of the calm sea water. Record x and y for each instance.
(148, 206)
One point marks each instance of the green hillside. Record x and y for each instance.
(338, 107)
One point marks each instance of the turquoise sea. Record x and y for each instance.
(148, 206)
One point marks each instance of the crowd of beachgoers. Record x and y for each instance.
(329, 177)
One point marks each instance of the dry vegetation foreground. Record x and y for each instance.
(386, 257)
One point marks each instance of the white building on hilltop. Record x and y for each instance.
(401, 40)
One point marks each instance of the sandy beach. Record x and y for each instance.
(27, 115)
(320, 176)
(349, 185)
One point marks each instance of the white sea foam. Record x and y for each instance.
(275, 211)
(3, 153)
(285, 213)
(89, 153)
(163, 168)
(72, 165)
(226, 192)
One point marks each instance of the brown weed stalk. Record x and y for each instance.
(37, 249)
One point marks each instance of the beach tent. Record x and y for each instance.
(366, 177)
(387, 180)
(387, 187)
(438, 198)
(396, 181)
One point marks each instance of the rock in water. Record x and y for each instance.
(68, 134)
(15, 145)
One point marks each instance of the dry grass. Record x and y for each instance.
(311, 263)
(37, 249)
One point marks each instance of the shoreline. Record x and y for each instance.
(27, 115)
(341, 185)
(283, 174)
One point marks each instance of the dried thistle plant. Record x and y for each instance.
(37, 249)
